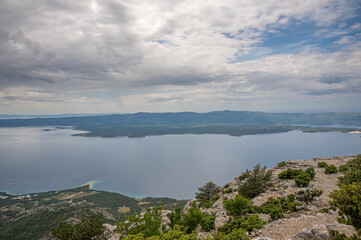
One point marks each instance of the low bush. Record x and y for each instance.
(148, 224)
(324, 210)
(215, 198)
(90, 227)
(322, 164)
(208, 223)
(348, 198)
(210, 203)
(242, 177)
(207, 204)
(248, 223)
(194, 218)
(348, 202)
(331, 169)
(353, 172)
(276, 207)
(311, 172)
(238, 206)
(191, 220)
(236, 234)
(228, 190)
(302, 179)
(281, 164)
(308, 195)
(176, 234)
(176, 218)
(335, 235)
(343, 168)
(289, 174)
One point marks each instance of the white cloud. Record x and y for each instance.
(356, 26)
(344, 40)
(183, 46)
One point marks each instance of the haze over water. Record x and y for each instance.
(32, 160)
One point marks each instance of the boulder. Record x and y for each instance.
(321, 232)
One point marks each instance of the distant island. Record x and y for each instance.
(233, 123)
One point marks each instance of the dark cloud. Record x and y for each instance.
(56, 41)
(334, 79)
(331, 92)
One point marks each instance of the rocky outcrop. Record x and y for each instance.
(307, 222)
(311, 221)
(321, 232)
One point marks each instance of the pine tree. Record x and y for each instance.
(207, 192)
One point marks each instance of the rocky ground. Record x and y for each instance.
(310, 221)
(306, 223)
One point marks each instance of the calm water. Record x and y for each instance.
(32, 160)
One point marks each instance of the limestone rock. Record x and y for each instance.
(305, 234)
(342, 228)
(321, 232)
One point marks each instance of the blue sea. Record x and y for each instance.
(33, 160)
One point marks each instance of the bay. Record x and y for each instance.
(33, 160)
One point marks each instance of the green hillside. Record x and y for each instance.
(33, 216)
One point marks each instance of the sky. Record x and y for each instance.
(65, 56)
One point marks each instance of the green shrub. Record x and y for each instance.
(208, 223)
(176, 234)
(236, 234)
(302, 179)
(324, 210)
(289, 174)
(210, 203)
(331, 169)
(215, 198)
(207, 204)
(191, 220)
(322, 164)
(148, 224)
(228, 190)
(353, 172)
(256, 182)
(308, 195)
(335, 235)
(242, 177)
(238, 206)
(281, 164)
(276, 213)
(343, 168)
(176, 218)
(276, 207)
(248, 223)
(311, 172)
(348, 202)
(89, 228)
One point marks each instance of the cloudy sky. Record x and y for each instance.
(65, 56)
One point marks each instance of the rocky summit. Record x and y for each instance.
(312, 220)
